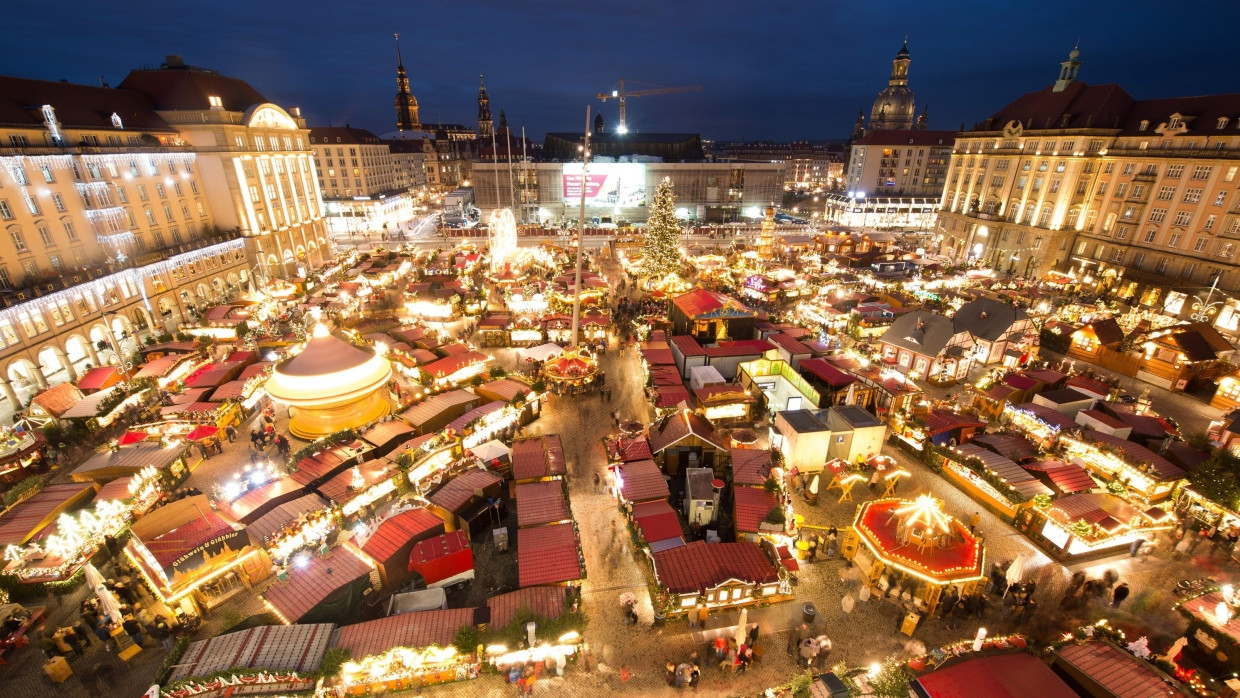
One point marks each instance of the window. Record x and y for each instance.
(47, 173)
(1121, 189)
(1162, 266)
(1227, 250)
(1054, 187)
(1201, 244)
(1202, 171)
(1157, 215)
(70, 232)
(18, 241)
(1175, 171)
(1231, 174)
(1174, 240)
(168, 213)
(1102, 189)
(1122, 232)
(1129, 167)
(1166, 193)
(1138, 260)
(1059, 166)
(160, 192)
(142, 192)
(176, 186)
(6, 213)
(1117, 256)
(1209, 224)
(1220, 199)
(1188, 270)
(33, 205)
(150, 215)
(1192, 196)
(1150, 235)
(121, 196)
(185, 210)
(45, 235)
(1145, 124)
(1045, 218)
(1183, 217)
(58, 202)
(193, 186)
(1138, 190)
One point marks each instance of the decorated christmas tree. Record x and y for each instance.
(661, 252)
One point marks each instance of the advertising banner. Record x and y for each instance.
(612, 185)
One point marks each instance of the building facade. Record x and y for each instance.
(808, 167)
(621, 191)
(1136, 198)
(899, 163)
(109, 233)
(255, 158)
(360, 180)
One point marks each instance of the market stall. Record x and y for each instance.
(406, 651)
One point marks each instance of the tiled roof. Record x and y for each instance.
(57, 399)
(665, 375)
(417, 630)
(548, 602)
(189, 89)
(339, 488)
(1012, 675)
(642, 481)
(276, 519)
(397, 531)
(432, 407)
(320, 465)
(310, 585)
(699, 565)
(687, 345)
(658, 357)
(538, 457)
(902, 138)
(1071, 478)
(750, 466)
(742, 347)
(541, 503)
(922, 332)
(548, 555)
(24, 521)
(385, 432)
(657, 520)
(451, 364)
(459, 424)
(989, 319)
(1118, 672)
(752, 506)
(1136, 453)
(678, 425)
(289, 647)
(671, 396)
(184, 538)
(460, 489)
(1077, 106)
(827, 373)
(634, 448)
(791, 345)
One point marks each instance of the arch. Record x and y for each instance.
(78, 347)
(122, 327)
(167, 307)
(203, 294)
(52, 359)
(142, 319)
(288, 255)
(301, 252)
(244, 275)
(1070, 221)
(1031, 210)
(271, 259)
(21, 374)
(1044, 219)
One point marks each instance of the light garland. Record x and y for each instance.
(401, 664)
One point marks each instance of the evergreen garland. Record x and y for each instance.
(661, 251)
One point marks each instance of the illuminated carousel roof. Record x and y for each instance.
(570, 366)
(327, 370)
(892, 528)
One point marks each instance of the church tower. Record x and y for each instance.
(484, 111)
(406, 103)
(1068, 70)
(894, 109)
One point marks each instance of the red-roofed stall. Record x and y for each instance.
(393, 539)
(548, 555)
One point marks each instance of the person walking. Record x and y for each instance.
(134, 630)
(974, 520)
(1135, 546)
(846, 604)
(1118, 596)
(597, 482)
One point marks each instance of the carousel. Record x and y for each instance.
(331, 385)
(575, 367)
(910, 552)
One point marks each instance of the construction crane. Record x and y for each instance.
(622, 95)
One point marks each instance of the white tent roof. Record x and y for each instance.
(490, 450)
(542, 352)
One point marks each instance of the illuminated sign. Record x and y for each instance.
(615, 185)
(1055, 534)
(220, 546)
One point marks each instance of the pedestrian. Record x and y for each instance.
(1118, 596)
(703, 614)
(75, 643)
(101, 632)
(132, 627)
(671, 673)
(721, 648)
(79, 629)
(846, 604)
(231, 432)
(162, 635)
(597, 481)
(1135, 546)
(824, 649)
(974, 520)
(874, 479)
(753, 635)
(694, 675)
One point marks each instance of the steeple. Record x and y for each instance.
(1068, 69)
(923, 118)
(899, 66)
(503, 121)
(484, 110)
(406, 103)
(858, 126)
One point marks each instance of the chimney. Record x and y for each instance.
(295, 111)
(174, 61)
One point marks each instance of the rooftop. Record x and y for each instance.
(698, 566)
(548, 555)
(418, 629)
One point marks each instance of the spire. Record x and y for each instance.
(503, 120)
(406, 104)
(899, 66)
(485, 124)
(1068, 69)
(924, 118)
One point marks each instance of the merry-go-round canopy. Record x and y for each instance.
(571, 367)
(919, 538)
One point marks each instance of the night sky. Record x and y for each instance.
(769, 70)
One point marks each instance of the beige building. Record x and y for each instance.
(108, 233)
(360, 181)
(256, 162)
(899, 163)
(808, 167)
(1135, 197)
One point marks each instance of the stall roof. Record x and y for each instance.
(657, 520)
(1136, 453)
(451, 364)
(1048, 415)
(232, 390)
(259, 501)
(548, 555)
(323, 575)
(827, 373)
(189, 395)
(459, 424)
(203, 407)
(457, 492)
(642, 481)
(158, 368)
(633, 448)
(173, 544)
(1068, 477)
(99, 378)
(275, 520)
(126, 460)
(116, 489)
(939, 421)
(751, 466)
(1094, 507)
(1009, 445)
(679, 425)
(394, 533)
(24, 521)
(88, 406)
(1004, 467)
(339, 488)
(1015, 675)
(288, 647)
(432, 407)
(58, 399)
(698, 565)
(752, 506)
(505, 389)
(548, 602)
(671, 396)
(1202, 608)
(417, 629)
(320, 466)
(385, 433)
(541, 503)
(658, 357)
(538, 457)
(1118, 672)
(665, 375)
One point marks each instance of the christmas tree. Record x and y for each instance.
(661, 252)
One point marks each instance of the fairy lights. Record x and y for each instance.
(926, 511)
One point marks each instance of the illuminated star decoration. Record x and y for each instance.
(926, 510)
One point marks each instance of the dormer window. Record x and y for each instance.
(1222, 122)
(215, 102)
(1175, 122)
(1144, 125)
